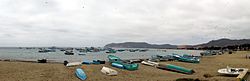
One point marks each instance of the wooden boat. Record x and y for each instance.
(175, 68)
(232, 71)
(80, 74)
(127, 66)
(109, 71)
(154, 64)
(73, 64)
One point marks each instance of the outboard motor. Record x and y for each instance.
(65, 62)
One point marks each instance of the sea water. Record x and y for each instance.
(59, 56)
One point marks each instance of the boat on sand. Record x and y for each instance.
(109, 71)
(149, 63)
(80, 74)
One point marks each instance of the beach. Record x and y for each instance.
(28, 71)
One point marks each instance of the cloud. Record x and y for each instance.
(96, 23)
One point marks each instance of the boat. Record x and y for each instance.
(73, 64)
(69, 53)
(120, 50)
(126, 65)
(232, 71)
(98, 62)
(117, 65)
(109, 71)
(46, 50)
(111, 51)
(175, 68)
(80, 74)
(149, 63)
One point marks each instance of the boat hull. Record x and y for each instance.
(80, 74)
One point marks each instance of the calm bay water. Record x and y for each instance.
(59, 56)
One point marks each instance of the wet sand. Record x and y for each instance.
(26, 71)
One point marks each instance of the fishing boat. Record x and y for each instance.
(232, 71)
(73, 64)
(109, 71)
(128, 66)
(175, 68)
(80, 74)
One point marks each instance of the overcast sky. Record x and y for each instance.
(98, 22)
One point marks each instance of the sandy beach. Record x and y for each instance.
(26, 71)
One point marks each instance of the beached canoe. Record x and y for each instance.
(73, 64)
(109, 71)
(80, 74)
(175, 68)
(232, 71)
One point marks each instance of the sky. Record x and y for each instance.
(80, 23)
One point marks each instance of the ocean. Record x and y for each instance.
(59, 56)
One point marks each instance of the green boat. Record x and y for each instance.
(175, 68)
(127, 66)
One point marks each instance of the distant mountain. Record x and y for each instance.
(224, 42)
(139, 45)
(215, 43)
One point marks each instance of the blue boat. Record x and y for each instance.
(80, 74)
(117, 65)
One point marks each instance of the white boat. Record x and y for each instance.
(150, 63)
(109, 71)
(232, 71)
(73, 64)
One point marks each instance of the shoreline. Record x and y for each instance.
(25, 71)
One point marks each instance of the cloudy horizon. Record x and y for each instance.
(79, 23)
